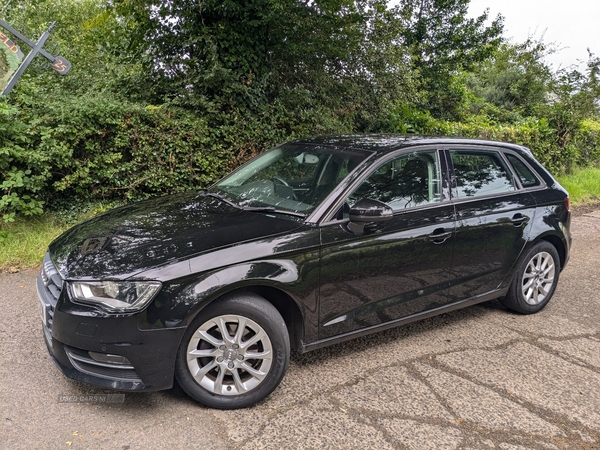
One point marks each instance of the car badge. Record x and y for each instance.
(94, 244)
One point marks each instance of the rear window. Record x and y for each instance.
(528, 179)
(479, 173)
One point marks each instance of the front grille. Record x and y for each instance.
(50, 289)
(82, 361)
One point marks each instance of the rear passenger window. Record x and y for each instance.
(480, 173)
(528, 179)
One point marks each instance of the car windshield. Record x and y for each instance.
(291, 178)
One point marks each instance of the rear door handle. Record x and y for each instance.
(519, 219)
(440, 235)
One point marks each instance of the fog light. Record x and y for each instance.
(109, 359)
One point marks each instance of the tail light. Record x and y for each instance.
(568, 204)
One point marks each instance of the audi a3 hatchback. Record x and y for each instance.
(311, 243)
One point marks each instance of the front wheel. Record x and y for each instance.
(535, 280)
(234, 353)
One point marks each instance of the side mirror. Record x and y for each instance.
(367, 211)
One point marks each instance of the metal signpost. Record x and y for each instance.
(60, 64)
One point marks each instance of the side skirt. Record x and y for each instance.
(403, 320)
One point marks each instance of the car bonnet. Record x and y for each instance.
(153, 233)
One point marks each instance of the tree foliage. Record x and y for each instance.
(515, 78)
(82, 28)
(219, 57)
(443, 41)
(574, 97)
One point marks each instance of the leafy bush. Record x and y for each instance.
(18, 187)
(533, 133)
(120, 150)
(587, 139)
(406, 119)
(99, 147)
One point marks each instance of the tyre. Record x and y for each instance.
(234, 353)
(535, 280)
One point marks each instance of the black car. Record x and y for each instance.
(311, 243)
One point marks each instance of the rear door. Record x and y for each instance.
(493, 217)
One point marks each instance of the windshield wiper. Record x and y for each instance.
(251, 208)
(220, 197)
(272, 209)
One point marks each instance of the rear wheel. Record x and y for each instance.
(535, 280)
(234, 353)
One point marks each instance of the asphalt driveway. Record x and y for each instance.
(474, 379)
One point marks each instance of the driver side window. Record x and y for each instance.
(406, 181)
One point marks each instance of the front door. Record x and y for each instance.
(395, 268)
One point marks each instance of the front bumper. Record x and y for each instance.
(150, 354)
(151, 362)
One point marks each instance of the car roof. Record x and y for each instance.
(384, 143)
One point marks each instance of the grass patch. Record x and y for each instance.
(583, 185)
(24, 241)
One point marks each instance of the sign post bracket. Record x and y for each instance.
(60, 64)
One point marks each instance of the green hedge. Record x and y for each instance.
(103, 149)
(587, 140)
(533, 133)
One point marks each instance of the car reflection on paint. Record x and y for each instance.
(311, 243)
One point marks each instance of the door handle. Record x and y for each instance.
(440, 235)
(519, 219)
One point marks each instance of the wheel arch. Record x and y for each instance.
(553, 239)
(285, 304)
(287, 307)
(559, 245)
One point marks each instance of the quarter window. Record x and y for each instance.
(407, 181)
(528, 179)
(480, 173)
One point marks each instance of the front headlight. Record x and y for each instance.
(116, 296)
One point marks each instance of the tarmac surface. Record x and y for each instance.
(479, 378)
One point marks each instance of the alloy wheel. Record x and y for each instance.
(538, 278)
(229, 355)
